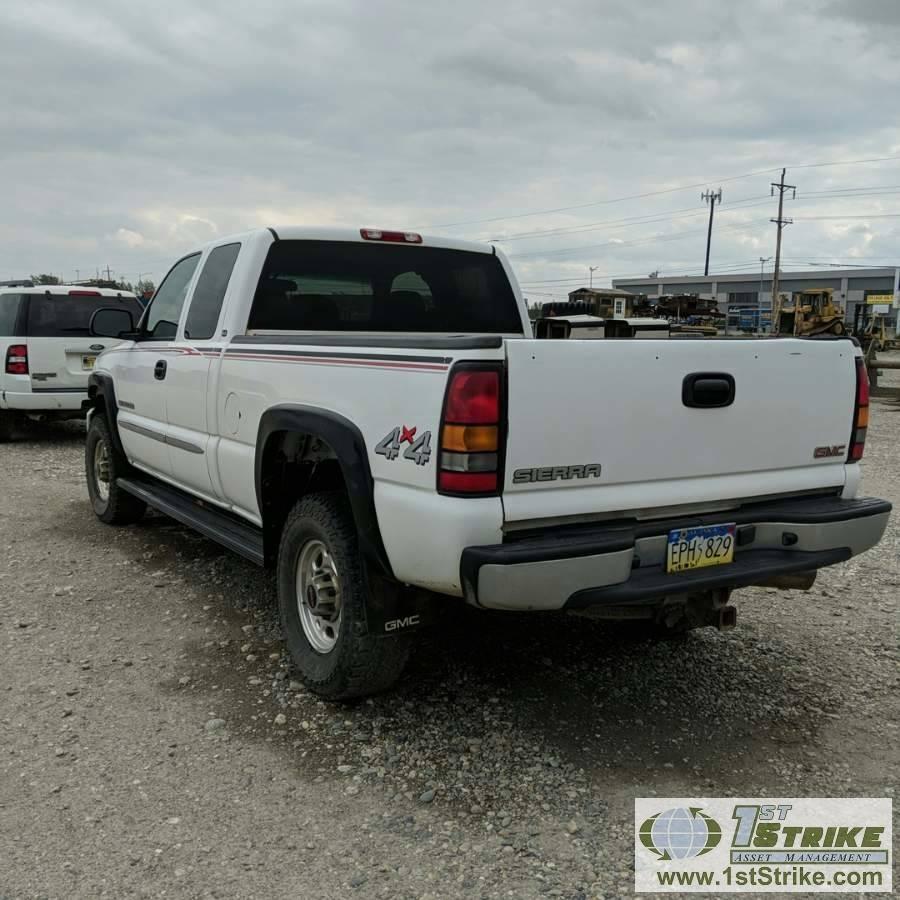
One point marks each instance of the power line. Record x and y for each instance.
(841, 218)
(646, 219)
(657, 193)
(676, 214)
(739, 226)
(846, 162)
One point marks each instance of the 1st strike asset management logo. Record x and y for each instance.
(725, 845)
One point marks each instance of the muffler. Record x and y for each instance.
(799, 581)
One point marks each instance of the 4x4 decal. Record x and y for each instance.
(419, 449)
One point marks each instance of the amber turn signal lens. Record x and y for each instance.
(862, 417)
(469, 438)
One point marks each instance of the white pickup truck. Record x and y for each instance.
(366, 412)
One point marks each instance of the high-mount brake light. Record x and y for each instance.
(471, 432)
(17, 360)
(85, 294)
(390, 237)
(860, 413)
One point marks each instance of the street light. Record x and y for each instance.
(762, 263)
(591, 269)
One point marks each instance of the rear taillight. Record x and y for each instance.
(471, 432)
(860, 413)
(17, 360)
(85, 294)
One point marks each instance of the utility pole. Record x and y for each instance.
(107, 273)
(710, 197)
(762, 264)
(780, 222)
(592, 269)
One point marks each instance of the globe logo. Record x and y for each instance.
(680, 833)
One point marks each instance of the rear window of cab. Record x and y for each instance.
(345, 286)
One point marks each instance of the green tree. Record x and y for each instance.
(45, 279)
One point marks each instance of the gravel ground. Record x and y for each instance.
(154, 743)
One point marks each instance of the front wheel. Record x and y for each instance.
(322, 593)
(103, 466)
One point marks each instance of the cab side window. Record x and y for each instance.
(206, 303)
(161, 318)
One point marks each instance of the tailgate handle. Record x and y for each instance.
(159, 370)
(708, 390)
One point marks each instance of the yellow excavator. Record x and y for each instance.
(809, 312)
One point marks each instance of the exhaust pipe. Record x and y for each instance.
(721, 617)
(727, 617)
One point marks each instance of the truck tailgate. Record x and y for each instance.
(600, 427)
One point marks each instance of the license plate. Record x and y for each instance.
(87, 362)
(695, 548)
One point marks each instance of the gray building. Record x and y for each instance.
(852, 288)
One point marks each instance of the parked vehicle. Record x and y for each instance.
(587, 328)
(366, 412)
(48, 351)
(810, 312)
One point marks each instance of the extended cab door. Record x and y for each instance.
(142, 370)
(191, 407)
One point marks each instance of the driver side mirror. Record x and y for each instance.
(110, 322)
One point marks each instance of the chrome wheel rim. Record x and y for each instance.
(318, 596)
(101, 470)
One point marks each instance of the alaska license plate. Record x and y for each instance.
(695, 548)
(87, 362)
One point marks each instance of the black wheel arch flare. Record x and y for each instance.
(347, 442)
(102, 393)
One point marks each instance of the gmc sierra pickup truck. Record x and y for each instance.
(366, 412)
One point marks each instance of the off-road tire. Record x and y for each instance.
(359, 663)
(118, 507)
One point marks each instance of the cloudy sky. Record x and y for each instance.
(133, 131)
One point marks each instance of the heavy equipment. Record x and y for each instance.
(809, 312)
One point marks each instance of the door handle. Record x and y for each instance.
(708, 390)
(159, 370)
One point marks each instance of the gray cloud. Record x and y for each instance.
(130, 134)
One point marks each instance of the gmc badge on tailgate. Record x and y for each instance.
(556, 473)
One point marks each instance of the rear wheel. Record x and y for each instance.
(103, 466)
(322, 592)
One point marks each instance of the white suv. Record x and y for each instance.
(46, 350)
